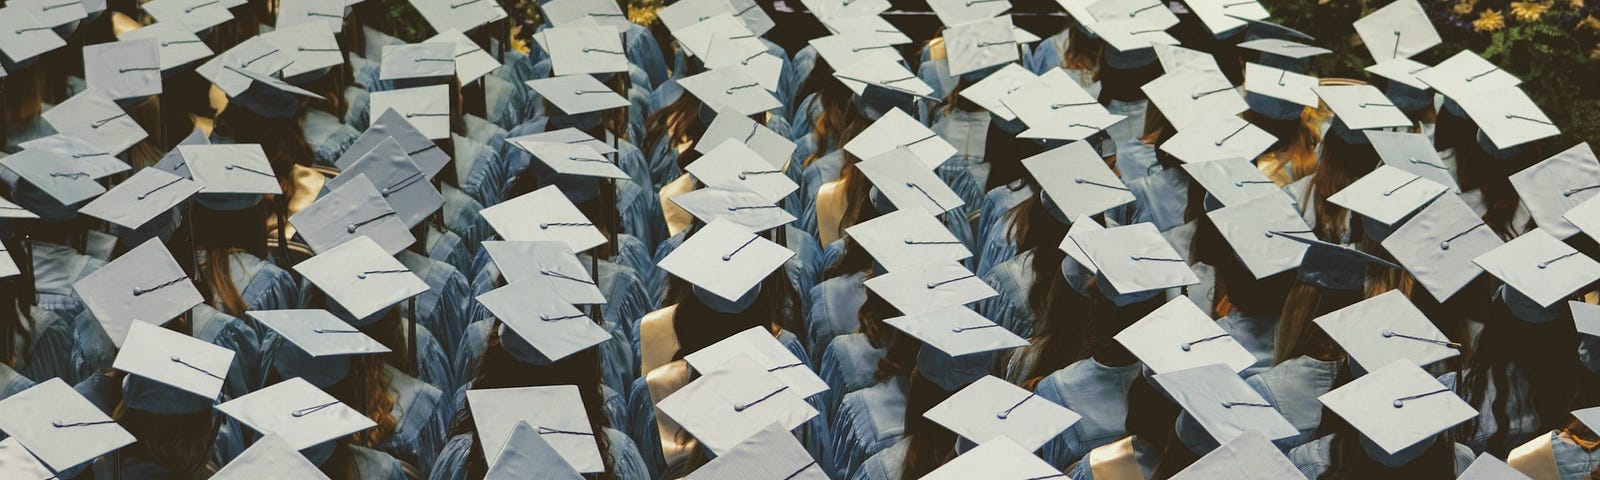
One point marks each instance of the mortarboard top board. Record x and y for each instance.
(1150, 12)
(1403, 71)
(230, 169)
(354, 209)
(544, 214)
(957, 331)
(361, 277)
(1413, 153)
(754, 17)
(319, 333)
(741, 207)
(1401, 29)
(1135, 258)
(20, 464)
(1280, 84)
(1262, 28)
(902, 177)
(61, 181)
(297, 412)
(772, 146)
(145, 284)
(988, 92)
(980, 44)
(957, 12)
(85, 157)
(725, 259)
(14, 211)
(1070, 244)
(60, 427)
(991, 408)
(472, 62)
(892, 77)
(730, 91)
(1078, 180)
(1188, 98)
(849, 48)
(1231, 181)
(1362, 107)
(1217, 138)
(1556, 185)
(1223, 405)
(1260, 231)
(578, 50)
(1588, 416)
(1175, 59)
(552, 264)
(1053, 98)
(544, 320)
(1586, 316)
(1388, 195)
(1249, 456)
(733, 165)
(1439, 244)
(1585, 216)
(1334, 266)
(1466, 74)
(173, 162)
(269, 457)
(1179, 336)
(874, 25)
(124, 69)
(24, 36)
(1385, 329)
(463, 15)
(427, 108)
(141, 197)
(326, 15)
(1283, 49)
(1397, 406)
(577, 94)
(178, 45)
(527, 451)
(719, 40)
(418, 61)
(577, 159)
(846, 8)
(908, 239)
(686, 13)
(417, 145)
(175, 360)
(1000, 457)
(561, 12)
(400, 182)
(196, 15)
(1508, 117)
(1487, 467)
(758, 345)
(724, 407)
(94, 116)
(1129, 35)
(770, 454)
(930, 287)
(896, 129)
(256, 54)
(1222, 17)
(1540, 267)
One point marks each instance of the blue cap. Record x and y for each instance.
(291, 361)
(1496, 153)
(1353, 137)
(721, 305)
(36, 200)
(1408, 98)
(952, 373)
(148, 395)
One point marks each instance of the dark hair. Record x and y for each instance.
(179, 442)
(837, 121)
(221, 233)
(1004, 152)
(1543, 355)
(16, 305)
(1476, 170)
(1341, 164)
(775, 306)
(1347, 459)
(1296, 148)
(928, 444)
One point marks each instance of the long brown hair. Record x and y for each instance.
(836, 121)
(1543, 356)
(179, 442)
(1342, 163)
(220, 235)
(1296, 148)
(929, 445)
(1083, 52)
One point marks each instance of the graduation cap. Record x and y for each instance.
(1413, 153)
(957, 332)
(1249, 456)
(741, 207)
(1134, 261)
(1077, 180)
(1387, 328)
(686, 13)
(393, 124)
(141, 198)
(178, 45)
(998, 458)
(401, 183)
(578, 94)
(550, 264)
(1224, 17)
(544, 326)
(232, 177)
(85, 157)
(20, 463)
(1219, 406)
(757, 344)
(880, 87)
(895, 130)
(906, 182)
(1401, 29)
(578, 50)
(930, 287)
(269, 457)
(126, 69)
(730, 91)
(544, 214)
(1336, 267)
(269, 97)
(170, 373)
(326, 15)
(1404, 89)
(256, 54)
(725, 259)
(1487, 467)
(1259, 231)
(173, 162)
(581, 12)
(1055, 107)
(908, 239)
(1191, 98)
(24, 36)
(733, 165)
(578, 159)
(319, 345)
(297, 412)
(1509, 117)
(463, 15)
(1217, 138)
(526, 451)
(472, 63)
(356, 208)
(980, 44)
(427, 108)
(1540, 267)
(957, 12)
(1278, 94)
(989, 92)
(770, 454)
(94, 116)
(1131, 41)
(56, 187)
(1362, 107)
(1398, 406)
(1466, 74)
(1179, 336)
(849, 48)
(197, 15)
(60, 427)
(771, 146)
(724, 407)
(1386, 197)
(874, 25)
(1439, 244)
(418, 64)
(1556, 185)
(992, 408)
(556, 413)
(1175, 59)
(1585, 216)
(1231, 181)
(361, 277)
(145, 285)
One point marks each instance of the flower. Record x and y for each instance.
(1576, 4)
(1489, 21)
(1464, 7)
(1528, 11)
(1590, 22)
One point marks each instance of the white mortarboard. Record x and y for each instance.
(771, 146)
(846, 8)
(1466, 74)
(890, 76)
(733, 165)
(145, 284)
(402, 184)
(1231, 181)
(1398, 405)
(140, 198)
(1402, 70)
(297, 412)
(547, 322)
(124, 69)
(527, 451)
(1260, 230)
(1556, 185)
(1388, 195)
(174, 359)
(724, 407)
(742, 207)
(1439, 244)
(1078, 180)
(179, 46)
(1487, 467)
(770, 454)
(418, 61)
(239, 168)
(20, 464)
(94, 116)
(59, 426)
(1189, 98)
(267, 95)
(957, 12)
(197, 15)
(719, 40)
(13, 211)
(577, 94)
(557, 413)
(1132, 34)
(257, 54)
(896, 129)
(391, 123)
(1362, 107)
(173, 161)
(849, 48)
(1222, 403)
(1385, 329)
(361, 277)
(573, 159)
(1249, 456)
(1176, 59)
(55, 176)
(544, 214)
(1414, 153)
(1135, 258)
(730, 91)
(327, 15)
(1223, 16)
(1179, 336)
(427, 108)
(725, 259)
(1000, 458)
(562, 12)
(992, 408)
(886, 32)
(551, 264)
(686, 13)
(355, 209)
(1151, 12)
(269, 457)
(472, 62)
(754, 17)
(1587, 318)
(907, 239)
(1283, 49)
(980, 44)
(463, 15)
(86, 157)
(1218, 137)
(757, 344)
(1056, 105)
(23, 36)
(1590, 417)
(53, 13)
(930, 287)
(1585, 216)
(908, 183)
(1540, 267)
(1070, 245)
(1400, 30)
(577, 50)
(319, 333)
(1508, 117)
(1281, 84)
(957, 331)
(987, 93)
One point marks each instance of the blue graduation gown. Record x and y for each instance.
(1314, 458)
(1258, 334)
(850, 363)
(868, 421)
(625, 460)
(1012, 280)
(1100, 394)
(1293, 387)
(836, 303)
(443, 308)
(327, 135)
(423, 413)
(1524, 421)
